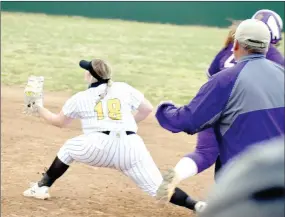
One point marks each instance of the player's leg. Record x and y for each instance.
(57, 169)
(40, 189)
(168, 191)
(141, 168)
(80, 149)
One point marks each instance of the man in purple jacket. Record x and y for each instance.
(206, 152)
(225, 59)
(243, 104)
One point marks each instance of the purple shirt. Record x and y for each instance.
(225, 59)
(239, 103)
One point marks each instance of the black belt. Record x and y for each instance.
(127, 132)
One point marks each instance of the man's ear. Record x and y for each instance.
(236, 45)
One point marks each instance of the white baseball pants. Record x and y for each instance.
(126, 153)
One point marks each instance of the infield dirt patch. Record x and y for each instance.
(29, 145)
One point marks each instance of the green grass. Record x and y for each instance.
(163, 61)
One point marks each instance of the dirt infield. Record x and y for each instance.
(29, 145)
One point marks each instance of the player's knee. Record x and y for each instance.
(64, 155)
(65, 158)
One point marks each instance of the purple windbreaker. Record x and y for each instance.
(207, 149)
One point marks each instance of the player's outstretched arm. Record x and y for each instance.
(58, 120)
(144, 110)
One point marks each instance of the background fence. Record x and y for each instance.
(190, 13)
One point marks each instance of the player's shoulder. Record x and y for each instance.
(77, 96)
(272, 48)
(272, 51)
(122, 85)
(225, 51)
(235, 69)
(219, 60)
(275, 55)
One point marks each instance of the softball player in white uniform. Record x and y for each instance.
(109, 136)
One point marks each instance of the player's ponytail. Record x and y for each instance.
(233, 27)
(109, 84)
(103, 70)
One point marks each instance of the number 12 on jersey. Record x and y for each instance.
(113, 107)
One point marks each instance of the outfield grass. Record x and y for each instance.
(163, 61)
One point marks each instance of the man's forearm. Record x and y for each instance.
(167, 118)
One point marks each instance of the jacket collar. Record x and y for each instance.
(250, 57)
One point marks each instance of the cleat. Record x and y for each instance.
(200, 206)
(37, 192)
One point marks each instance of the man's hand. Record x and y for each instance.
(165, 102)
